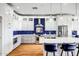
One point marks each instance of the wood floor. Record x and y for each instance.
(27, 50)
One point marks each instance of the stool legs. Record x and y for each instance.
(67, 53)
(78, 52)
(47, 53)
(61, 52)
(72, 53)
(53, 53)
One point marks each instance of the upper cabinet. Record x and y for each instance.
(50, 24)
(28, 24)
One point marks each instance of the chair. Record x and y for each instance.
(50, 47)
(68, 48)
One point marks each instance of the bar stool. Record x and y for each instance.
(78, 50)
(50, 47)
(68, 48)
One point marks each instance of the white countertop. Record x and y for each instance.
(59, 40)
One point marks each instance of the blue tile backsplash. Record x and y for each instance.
(32, 32)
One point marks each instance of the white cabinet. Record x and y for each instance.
(50, 24)
(17, 22)
(28, 39)
(28, 24)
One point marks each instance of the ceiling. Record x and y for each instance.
(26, 8)
(42, 8)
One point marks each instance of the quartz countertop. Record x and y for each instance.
(59, 40)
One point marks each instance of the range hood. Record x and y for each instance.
(39, 24)
(39, 27)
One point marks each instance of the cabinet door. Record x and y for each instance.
(28, 24)
(24, 24)
(50, 24)
(16, 22)
(28, 39)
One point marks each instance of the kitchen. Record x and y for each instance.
(50, 28)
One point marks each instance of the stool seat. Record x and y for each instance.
(50, 47)
(68, 48)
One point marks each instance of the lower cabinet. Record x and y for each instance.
(28, 39)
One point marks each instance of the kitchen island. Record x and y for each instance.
(59, 40)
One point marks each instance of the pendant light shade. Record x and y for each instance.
(76, 16)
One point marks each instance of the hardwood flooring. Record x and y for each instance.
(27, 50)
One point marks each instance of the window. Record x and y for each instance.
(25, 19)
(30, 19)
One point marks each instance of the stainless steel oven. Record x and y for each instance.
(15, 40)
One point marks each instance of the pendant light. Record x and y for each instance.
(51, 17)
(50, 11)
(61, 14)
(76, 18)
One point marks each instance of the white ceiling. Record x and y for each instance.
(44, 8)
(26, 8)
